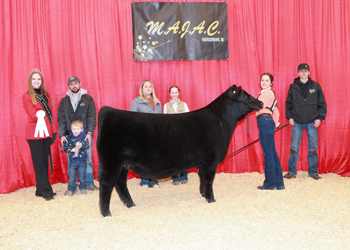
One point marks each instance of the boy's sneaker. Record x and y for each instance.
(70, 193)
(66, 193)
(145, 185)
(83, 191)
(155, 186)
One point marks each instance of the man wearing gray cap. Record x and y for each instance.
(305, 109)
(78, 105)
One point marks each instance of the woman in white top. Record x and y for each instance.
(176, 106)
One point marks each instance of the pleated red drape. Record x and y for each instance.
(93, 40)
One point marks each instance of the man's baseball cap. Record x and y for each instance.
(73, 79)
(303, 66)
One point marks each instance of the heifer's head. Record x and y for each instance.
(240, 95)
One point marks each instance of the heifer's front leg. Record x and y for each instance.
(208, 177)
(122, 189)
(201, 181)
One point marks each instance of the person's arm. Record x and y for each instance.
(186, 107)
(91, 118)
(165, 111)
(68, 148)
(29, 107)
(276, 116)
(289, 105)
(61, 121)
(321, 105)
(134, 106)
(158, 108)
(85, 144)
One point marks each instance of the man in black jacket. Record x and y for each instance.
(305, 109)
(78, 105)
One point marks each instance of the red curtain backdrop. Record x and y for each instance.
(93, 40)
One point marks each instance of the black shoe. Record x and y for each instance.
(316, 177)
(38, 194)
(49, 198)
(289, 176)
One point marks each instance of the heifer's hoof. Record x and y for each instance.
(211, 200)
(104, 214)
(202, 194)
(129, 204)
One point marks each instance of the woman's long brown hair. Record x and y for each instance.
(31, 90)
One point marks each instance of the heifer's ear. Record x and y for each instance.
(236, 91)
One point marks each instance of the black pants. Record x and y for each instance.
(40, 150)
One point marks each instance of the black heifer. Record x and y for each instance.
(159, 145)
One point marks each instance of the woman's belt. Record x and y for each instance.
(262, 115)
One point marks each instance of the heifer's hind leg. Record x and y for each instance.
(105, 198)
(107, 183)
(122, 188)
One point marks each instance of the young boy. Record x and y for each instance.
(76, 148)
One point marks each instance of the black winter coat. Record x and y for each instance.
(85, 112)
(305, 110)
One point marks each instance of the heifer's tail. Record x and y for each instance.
(101, 116)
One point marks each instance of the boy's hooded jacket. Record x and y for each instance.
(72, 142)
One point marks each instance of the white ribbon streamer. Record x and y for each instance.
(41, 125)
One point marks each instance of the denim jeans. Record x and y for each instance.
(75, 166)
(181, 177)
(297, 133)
(273, 169)
(148, 181)
(89, 174)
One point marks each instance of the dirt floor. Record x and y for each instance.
(308, 214)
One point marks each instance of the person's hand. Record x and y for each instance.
(88, 137)
(317, 123)
(63, 139)
(75, 150)
(291, 122)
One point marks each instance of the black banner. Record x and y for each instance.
(180, 31)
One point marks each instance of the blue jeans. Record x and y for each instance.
(148, 181)
(297, 133)
(273, 169)
(181, 177)
(89, 174)
(75, 166)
